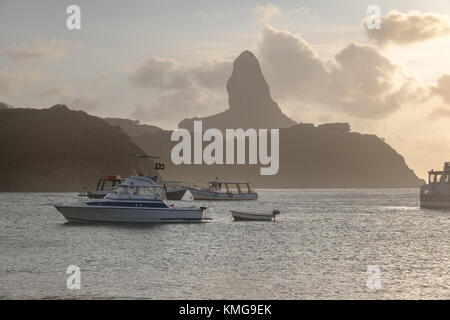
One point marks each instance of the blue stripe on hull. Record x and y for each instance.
(127, 204)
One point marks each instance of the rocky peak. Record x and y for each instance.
(247, 87)
(250, 104)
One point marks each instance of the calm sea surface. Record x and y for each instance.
(320, 247)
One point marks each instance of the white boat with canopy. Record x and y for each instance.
(137, 199)
(224, 190)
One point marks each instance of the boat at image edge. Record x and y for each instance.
(436, 193)
(137, 199)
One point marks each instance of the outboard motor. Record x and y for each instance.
(274, 213)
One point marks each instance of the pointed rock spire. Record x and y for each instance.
(250, 104)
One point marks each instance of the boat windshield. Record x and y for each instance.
(147, 192)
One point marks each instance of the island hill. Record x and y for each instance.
(58, 149)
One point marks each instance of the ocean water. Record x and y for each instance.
(320, 247)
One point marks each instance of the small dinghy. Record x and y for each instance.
(247, 216)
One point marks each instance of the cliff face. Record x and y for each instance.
(310, 157)
(250, 103)
(57, 149)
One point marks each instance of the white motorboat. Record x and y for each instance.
(137, 199)
(248, 216)
(223, 190)
(436, 193)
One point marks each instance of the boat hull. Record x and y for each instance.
(434, 201)
(96, 194)
(127, 214)
(244, 216)
(175, 194)
(209, 195)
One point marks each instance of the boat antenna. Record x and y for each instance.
(133, 167)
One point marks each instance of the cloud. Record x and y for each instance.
(364, 83)
(213, 74)
(41, 48)
(440, 112)
(270, 14)
(162, 73)
(166, 73)
(291, 63)
(405, 28)
(267, 13)
(359, 81)
(178, 91)
(172, 107)
(11, 80)
(442, 88)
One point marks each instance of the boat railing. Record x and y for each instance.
(230, 187)
(224, 187)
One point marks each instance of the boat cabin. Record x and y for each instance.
(435, 177)
(113, 180)
(138, 188)
(229, 187)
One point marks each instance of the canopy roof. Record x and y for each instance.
(228, 182)
(112, 177)
(135, 181)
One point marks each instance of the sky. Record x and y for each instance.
(162, 61)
